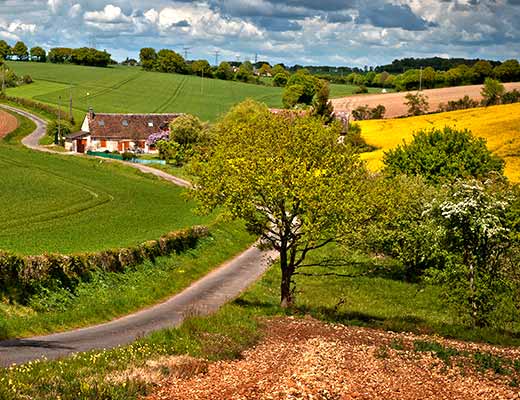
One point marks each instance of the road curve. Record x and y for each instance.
(203, 297)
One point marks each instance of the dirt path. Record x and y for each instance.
(394, 102)
(203, 297)
(8, 123)
(308, 359)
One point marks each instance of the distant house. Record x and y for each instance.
(117, 132)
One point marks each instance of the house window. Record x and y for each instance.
(103, 143)
(150, 124)
(101, 123)
(125, 122)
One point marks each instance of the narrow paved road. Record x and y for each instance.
(203, 297)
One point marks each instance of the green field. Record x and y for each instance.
(127, 89)
(130, 89)
(51, 203)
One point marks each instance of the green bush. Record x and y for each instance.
(128, 156)
(443, 154)
(23, 276)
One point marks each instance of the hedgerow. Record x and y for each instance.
(22, 276)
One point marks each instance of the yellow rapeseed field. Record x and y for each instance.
(499, 125)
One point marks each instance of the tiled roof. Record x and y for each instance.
(127, 126)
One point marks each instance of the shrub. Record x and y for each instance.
(492, 92)
(461, 104)
(361, 89)
(64, 129)
(27, 79)
(23, 276)
(37, 105)
(417, 103)
(365, 112)
(128, 156)
(511, 97)
(443, 154)
(187, 130)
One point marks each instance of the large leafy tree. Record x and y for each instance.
(170, 61)
(322, 107)
(5, 49)
(20, 51)
(38, 54)
(443, 154)
(288, 177)
(303, 83)
(224, 71)
(148, 57)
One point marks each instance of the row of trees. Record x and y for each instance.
(20, 52)
(428, 78)
(441, 206)
(79, 56)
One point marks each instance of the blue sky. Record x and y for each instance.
(331, 32)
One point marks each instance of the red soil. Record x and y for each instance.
(8, 123)
(394, 102)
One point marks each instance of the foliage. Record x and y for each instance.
(301, 83)
(65, 128)
(492, 92)
(245, 72)
(322, 107)
(280, 79)
(354, 138)
(398, 227)
(510, 97)
(38, 54)
(23, 276)
(461, 104)
(170, 61)
(287, 177)
(127, 156)
(361, 89)
(224, 71)
(365, 112)
(20, 51)
(170, 150)
(508, 71)
(443, 154)
(417, 103)
(188, 130)
(5, 49)
(148, 58)
(60, 54)
(201, 68)
(481, 276)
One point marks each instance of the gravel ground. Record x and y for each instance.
(8, 123)
(308, 359)
(394, 102)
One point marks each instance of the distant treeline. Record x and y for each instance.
(437, 63)
(79, 56)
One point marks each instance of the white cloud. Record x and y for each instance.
(75, 10)
(110, 14)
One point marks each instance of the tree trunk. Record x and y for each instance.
(286, 299)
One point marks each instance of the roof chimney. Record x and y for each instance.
(90, 113)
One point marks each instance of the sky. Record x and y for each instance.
(307, 32)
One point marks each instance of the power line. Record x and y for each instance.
(186, 52)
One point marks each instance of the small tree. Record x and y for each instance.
(188, 130)
(5, 50)
(148, 58)
(292, 95)
(38, 54)
(417, 103)
(478, 276)
(287, 177)
(492, 92)
(59, 132)
(224, 71)
(20, 51)
(280, 79)
(322, 107)
(443, 154)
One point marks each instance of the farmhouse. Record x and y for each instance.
(117, 132)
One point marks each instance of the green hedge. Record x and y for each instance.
(47, 108)
(23, 276)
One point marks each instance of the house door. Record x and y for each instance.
(80, 145)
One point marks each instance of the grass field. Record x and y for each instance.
(51, 203)
(127, 89)
(499, 125)
(130, 89)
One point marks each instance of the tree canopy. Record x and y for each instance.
(443, 154)
(20, 51)
(287, 176)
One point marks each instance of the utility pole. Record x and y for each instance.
(202, 82)
(3, 78)
(420, 81)
(217, 52)
(57, 137)
(186, 52)
(71, 118)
